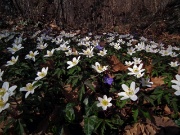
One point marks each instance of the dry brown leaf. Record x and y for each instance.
(141, 129)
(179, 70)
(157, 81)
(148, 68)
(116, 65)
(167, 110)
(164, 121)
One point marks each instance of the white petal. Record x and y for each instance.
(104, 107)
(23, 89)
(132, 86)
(177, 93)
(5, 85)
(134, 97)
(123, 94)
(125, 87)
(27, 94)
(105, 97)
(123, 98)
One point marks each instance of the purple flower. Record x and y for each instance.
(99, 47)
(108, 80)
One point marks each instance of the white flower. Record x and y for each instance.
(131, 50)
(42, 74)
(73, 63)
(32, 55)
(15, 48)
(3, 102)
(18, 40)
(88, 52)
(166, 52)
(1, 73)
(177, 88)
(12, 61)
(177, 81)
(99, 68)
(69, 52)
(174, 64)
(49, 53)
(102, 53)
(5, 89)
(29, 88)
(117, 46)
(140, 46)
(137, 60)
(104, 102)
(129, 63)
(146, 82)
(41, 46)
(137, 71)
(173, 54)
(130, 92)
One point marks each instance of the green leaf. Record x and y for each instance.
(89, 84)
(146, 114)
(117, 120)
(89, 124)
(70, 115)
(81, 92)
(135, 114)
(74, 81)
(21, 128)
(121, 103)
(91, 109)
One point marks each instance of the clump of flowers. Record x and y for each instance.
(104, 81)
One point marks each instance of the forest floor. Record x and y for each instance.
(163, 28)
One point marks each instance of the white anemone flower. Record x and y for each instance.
(12, 61)
(15, 48)
(137, 60)
(174, 64)
(29, 88)
(136, 70)
(6, 89)
(146, 82)
(102, 52)
(177, 81)
(32, 55)
(177, 88)
(99, 68)
(42, 74)
(1, 74)
(41, 45)
(88, 52)
(129, 92)
(129, 63)
(104, 102)
(73, 63)
(3, 102)
(131, 50)
(49, 53)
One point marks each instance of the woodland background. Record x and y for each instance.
(135, 16)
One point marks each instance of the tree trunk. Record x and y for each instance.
(92, 14)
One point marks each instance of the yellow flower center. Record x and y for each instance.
(130, 92)
(31, 54)
(42, 74)
(2, 91)
(15, 48)
(136, 70)
(1, 103)
(100, 68)
(29, 87)
(13, 60)
(105, 102)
